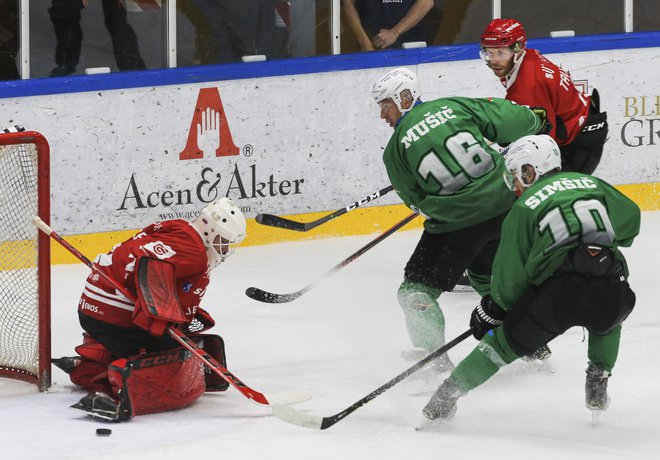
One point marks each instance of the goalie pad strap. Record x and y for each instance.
(91, 371)
(92, 350)
(157, 382)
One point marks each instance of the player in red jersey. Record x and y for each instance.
(127, 362)
(578, 126)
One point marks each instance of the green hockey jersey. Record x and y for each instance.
(548, 220)
(440, 162)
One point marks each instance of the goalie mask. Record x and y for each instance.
(222, 227)
(529, 158)
(399, 85)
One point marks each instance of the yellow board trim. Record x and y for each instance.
(361, 221)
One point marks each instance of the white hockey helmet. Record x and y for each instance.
(393, 84)
(539, 152)
(221, 225)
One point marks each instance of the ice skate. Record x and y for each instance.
(463, 285)
(100, 405)
(425, 380)
(443, 402)
(66, 363)
(595, 388)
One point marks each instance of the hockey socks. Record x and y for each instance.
(424, 319)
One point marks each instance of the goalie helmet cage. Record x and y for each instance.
(24, 258)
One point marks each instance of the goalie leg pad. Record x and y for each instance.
(214, 346)
(157, 382)
(91, 370)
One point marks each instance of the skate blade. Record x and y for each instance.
(431, 425)
(595, 417)
(96, 415)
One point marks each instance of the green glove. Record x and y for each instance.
(543, 116)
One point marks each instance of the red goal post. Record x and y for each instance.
(24, 258)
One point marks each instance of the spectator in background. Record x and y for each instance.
(65, 15)
(381, 24)
(8, 39)
(124, 41)
(227, 30)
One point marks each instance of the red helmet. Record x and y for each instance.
(504, 32)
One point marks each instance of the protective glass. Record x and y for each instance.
(509, 178)
(496, 54)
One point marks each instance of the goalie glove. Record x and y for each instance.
(486, 316)
(542, 114)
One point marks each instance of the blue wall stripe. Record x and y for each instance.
(297, 66)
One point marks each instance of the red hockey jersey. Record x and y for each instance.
(175, 241)
(537, 82)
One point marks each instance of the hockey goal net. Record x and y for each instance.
(24, 258)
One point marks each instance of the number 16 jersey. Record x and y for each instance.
(440, 161)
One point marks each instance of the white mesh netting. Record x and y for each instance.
(19, 302)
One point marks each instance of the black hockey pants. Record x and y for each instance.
(564, 300)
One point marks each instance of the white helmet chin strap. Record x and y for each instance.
(517, 61)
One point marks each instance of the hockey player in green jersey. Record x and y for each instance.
(441, 163)
(557, 266)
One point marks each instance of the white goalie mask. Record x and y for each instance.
(394, 84)
(538, 152)
(222, 227)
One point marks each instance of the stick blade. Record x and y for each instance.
(280, 222)
(270, 297)
(284, 398)
(295, 417)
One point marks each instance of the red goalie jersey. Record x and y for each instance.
(538, 82)
(175, 241)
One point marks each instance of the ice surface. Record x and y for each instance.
(342, 340)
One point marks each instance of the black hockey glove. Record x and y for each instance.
(543, 116)
(486, 316)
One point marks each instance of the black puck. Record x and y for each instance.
(103, 432)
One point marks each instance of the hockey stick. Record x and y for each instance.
(290, 397)
(270, 297)
(296, 417)
(281, 222)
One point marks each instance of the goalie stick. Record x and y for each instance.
(288, 397)
(281, 222)
(270, 297)
(296, 417)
